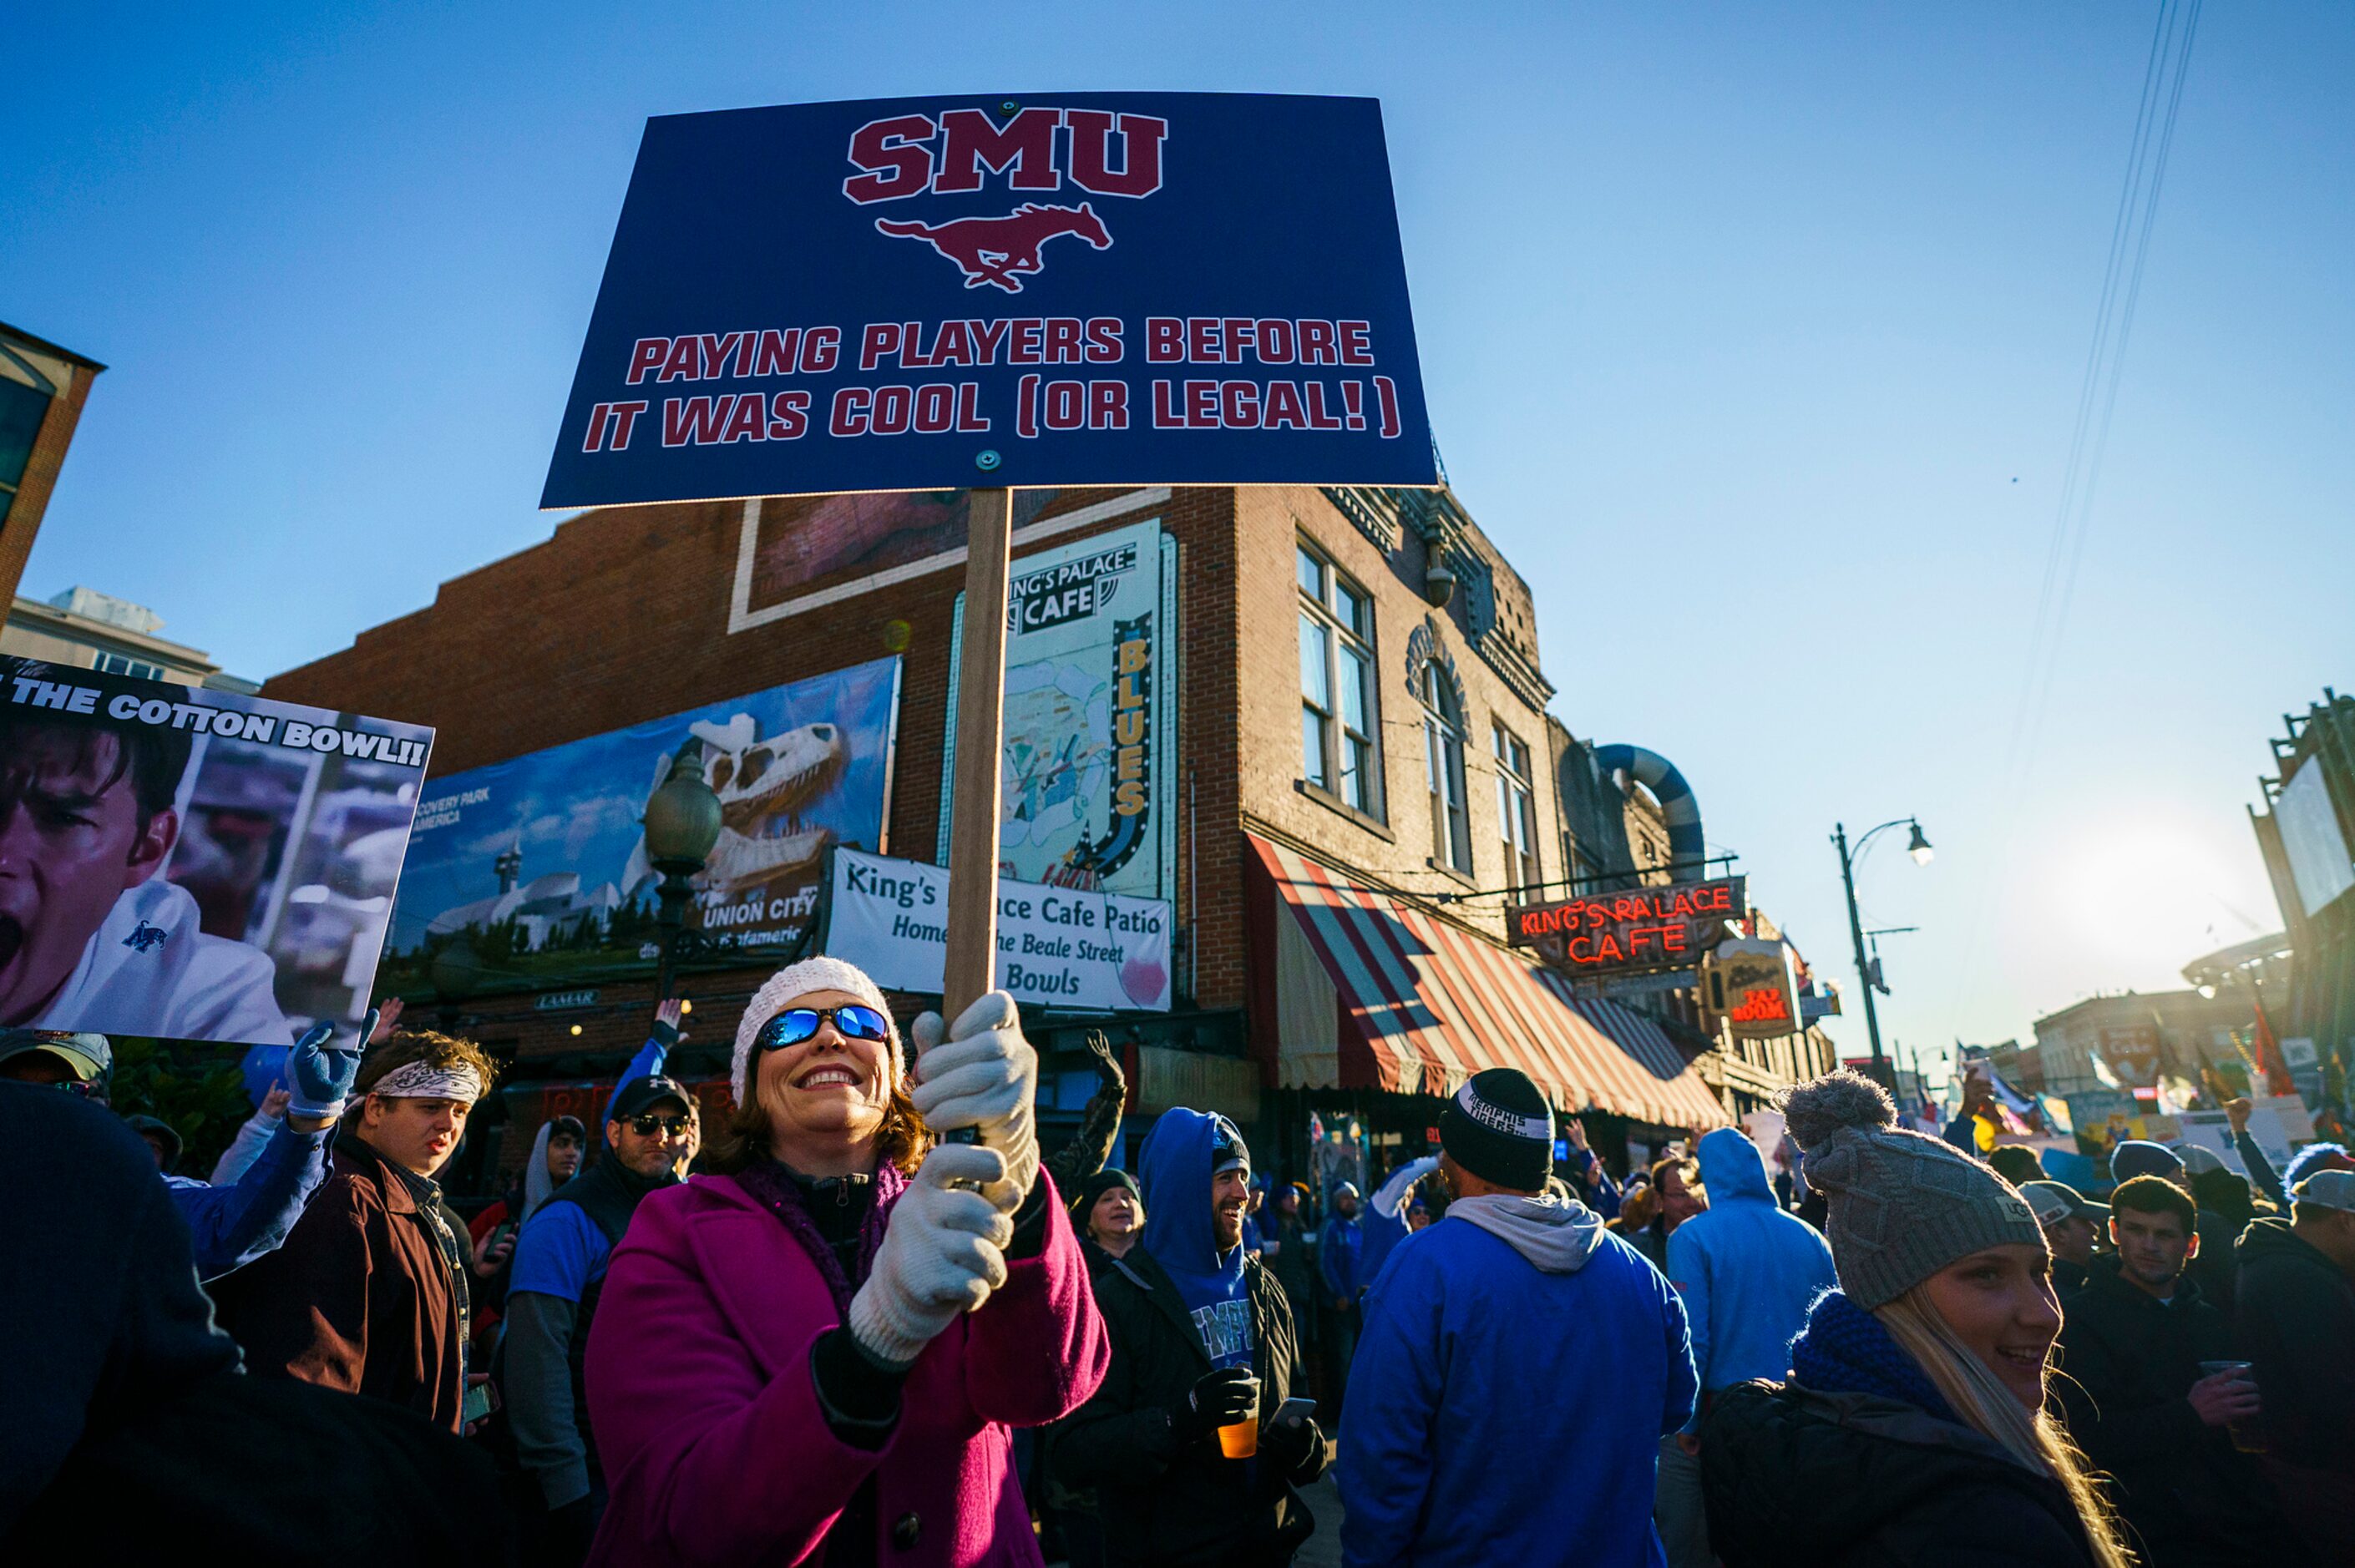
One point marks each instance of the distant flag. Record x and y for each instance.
(2269, 1054)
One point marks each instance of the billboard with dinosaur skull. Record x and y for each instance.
(539, 864)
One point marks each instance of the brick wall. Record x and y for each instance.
(622, 616)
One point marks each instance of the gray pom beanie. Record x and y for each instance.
(1902, 1206)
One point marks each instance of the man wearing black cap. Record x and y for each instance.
(559, 1271)
(1515, 1328)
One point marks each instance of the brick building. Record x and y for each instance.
(1364, 770)
(42, 389)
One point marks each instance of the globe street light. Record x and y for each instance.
(1919, 847)
(682, 824)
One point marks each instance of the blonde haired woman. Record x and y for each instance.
(1912, 1428)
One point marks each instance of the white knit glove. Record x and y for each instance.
(942, 1254)
(985, 1077)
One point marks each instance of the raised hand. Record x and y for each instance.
(319, 1073)
(1107, 1064)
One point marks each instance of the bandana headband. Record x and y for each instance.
(423, 1081)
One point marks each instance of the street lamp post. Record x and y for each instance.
(682, 824)
(1920, 850)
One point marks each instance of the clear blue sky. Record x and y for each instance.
(1739, 321)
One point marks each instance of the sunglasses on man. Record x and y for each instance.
(796, 1024)
(648, 1125)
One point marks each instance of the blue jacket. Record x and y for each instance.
(1340, 1256)
(1748, 1272)
(233, 1225)
(1518, 1368)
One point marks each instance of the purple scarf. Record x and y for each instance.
(770, 1186)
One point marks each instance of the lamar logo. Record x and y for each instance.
(1035, 149)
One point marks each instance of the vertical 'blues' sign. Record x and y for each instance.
(1069, 290)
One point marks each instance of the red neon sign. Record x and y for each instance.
(1647, 927)
(1765, 1004)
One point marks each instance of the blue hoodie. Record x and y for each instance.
(1748, 1272)
(1519, 1367)
(1174, 1169)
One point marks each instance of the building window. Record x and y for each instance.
(116, 665)
(1517, 813)
(1337, 753)
(1443, 758)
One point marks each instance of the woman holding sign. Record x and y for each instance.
(815, 1351)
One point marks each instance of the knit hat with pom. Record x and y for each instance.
(1903, 1205)
(820, 973)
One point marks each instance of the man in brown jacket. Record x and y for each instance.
(368, 1294)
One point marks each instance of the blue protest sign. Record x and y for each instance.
(1064, 289)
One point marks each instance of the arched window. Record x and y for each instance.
(1443, 755)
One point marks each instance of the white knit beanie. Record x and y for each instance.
(820, 973)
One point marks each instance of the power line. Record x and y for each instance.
(2157, 112)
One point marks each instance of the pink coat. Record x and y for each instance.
(714, 1448)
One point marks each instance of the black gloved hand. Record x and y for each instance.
(1220, 1399)
(1290, 1443)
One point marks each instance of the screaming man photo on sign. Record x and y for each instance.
(189, 863)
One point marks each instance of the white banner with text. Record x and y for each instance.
(1057, 947)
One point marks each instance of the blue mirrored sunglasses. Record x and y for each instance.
(796, 1024)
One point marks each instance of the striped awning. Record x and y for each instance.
(1423, 1004)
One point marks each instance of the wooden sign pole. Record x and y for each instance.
(971, 967)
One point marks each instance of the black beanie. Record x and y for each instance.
(1499, 1128)
(1097, 1185)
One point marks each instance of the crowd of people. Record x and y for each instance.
(869, 1320)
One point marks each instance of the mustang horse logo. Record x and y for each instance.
(1002, 251)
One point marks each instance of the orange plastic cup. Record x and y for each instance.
(1240, 1441)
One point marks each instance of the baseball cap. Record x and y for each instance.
(90, 1056)
(2198, 1160)
(2054, 1202)
(2328, 1190)
(2140, 1157)
(640, 1095)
